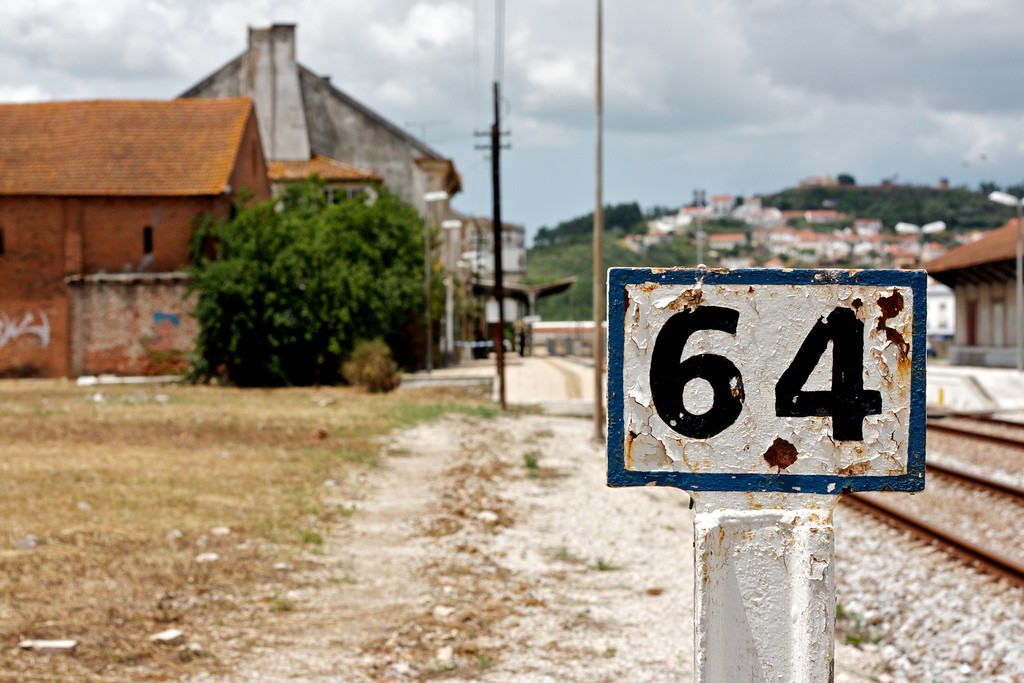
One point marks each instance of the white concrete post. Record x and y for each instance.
(764, 588)
(768, 394)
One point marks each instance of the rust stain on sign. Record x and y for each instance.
(780, 454)
(628, 455)
(855, 469)
(891, 306)
(689, 299)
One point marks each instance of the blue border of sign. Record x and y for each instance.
(618, 475)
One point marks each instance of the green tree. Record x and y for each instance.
(626, 217)
(550, 263)
(287, 287)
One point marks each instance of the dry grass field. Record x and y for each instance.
(116, 500)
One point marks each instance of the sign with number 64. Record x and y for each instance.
(766, 380)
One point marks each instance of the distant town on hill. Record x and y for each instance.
(823, 222)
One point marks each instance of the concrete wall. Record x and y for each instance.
(301, 114)
(990, 338)
(941, 310)
(341, 129)
(131, 324)
(270, 76)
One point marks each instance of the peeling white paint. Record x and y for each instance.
(764, 588)
(773, 322)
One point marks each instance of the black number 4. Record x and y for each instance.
(847, 402)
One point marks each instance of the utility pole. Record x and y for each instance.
(598, 230)
(499, 287)
(495, 147)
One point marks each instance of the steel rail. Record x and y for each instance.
(973, 554)
(988, 419)
(978, 480)
(936, 426)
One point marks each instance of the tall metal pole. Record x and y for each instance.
(1020, 287)
(499, 287)
(426, 287)
(598, 229)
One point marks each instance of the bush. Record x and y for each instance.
(371, 366)
(287, 286)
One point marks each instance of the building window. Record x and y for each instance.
(147, 240)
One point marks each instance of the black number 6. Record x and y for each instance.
(669, 375)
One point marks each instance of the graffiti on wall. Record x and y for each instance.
(12, 328)
(171, 318)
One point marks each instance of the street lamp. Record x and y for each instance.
(1010, 200)
(922, 230)
(430, 198)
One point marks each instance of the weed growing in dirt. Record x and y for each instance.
(563, 554)
(310, 537)
(856, 629)
(541, 434)
(531, 463)
(280, 603)
(603, 565)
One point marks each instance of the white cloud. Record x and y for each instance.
(970, 136)
(427, 26)
(731, 95)
(23, 93)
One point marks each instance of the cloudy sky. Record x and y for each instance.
(730, 96)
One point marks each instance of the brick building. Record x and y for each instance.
(97, 203)
(982, 275)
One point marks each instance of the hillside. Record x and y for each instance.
(960, 208)
(565, 249)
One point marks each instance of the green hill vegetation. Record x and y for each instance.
(565, 249)
(960, 208)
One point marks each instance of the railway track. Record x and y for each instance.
(957, 427)
(977, 556)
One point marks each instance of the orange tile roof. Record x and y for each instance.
(121, 147)
(998, 245)
(328, 169)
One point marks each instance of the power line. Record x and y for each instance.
(476, 63)
(499, 41)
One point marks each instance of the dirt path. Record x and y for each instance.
(491, 550)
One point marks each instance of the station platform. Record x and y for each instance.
(556, 385)
(969, 389)
(565, 385)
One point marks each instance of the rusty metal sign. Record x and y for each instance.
(806, 381)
